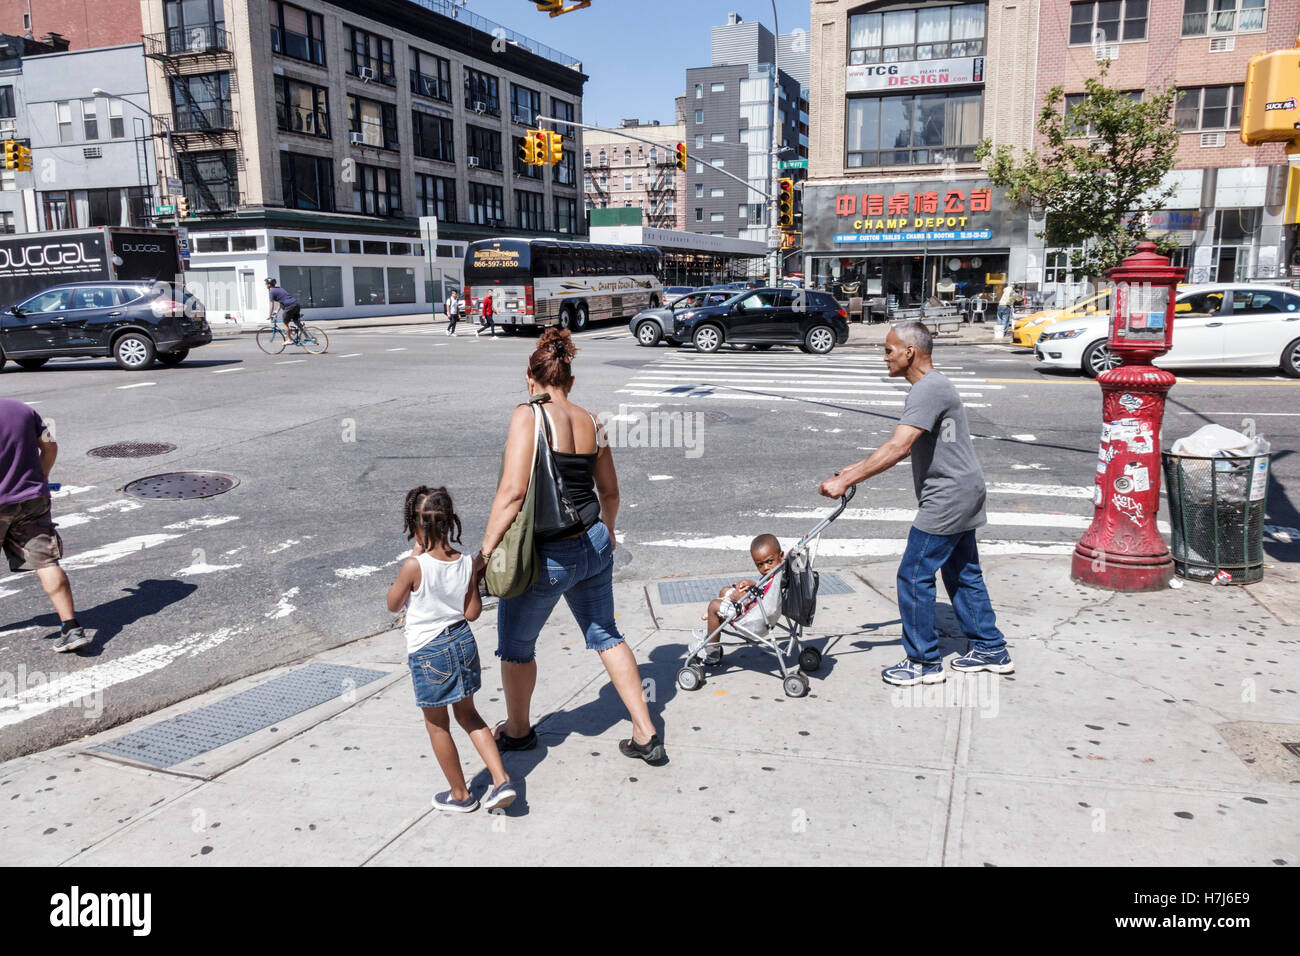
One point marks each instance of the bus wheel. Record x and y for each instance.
(566, 318)
(580, 319)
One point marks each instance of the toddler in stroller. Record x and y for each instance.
(783, 600)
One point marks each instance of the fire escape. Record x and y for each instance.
(197, 65)
(599, 194)
(661, 189)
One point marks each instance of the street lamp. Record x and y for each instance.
(167, 129)
(1122, 549)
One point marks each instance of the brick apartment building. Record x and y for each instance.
(83, 23)
(1226, 213)
(622, 173)
(895, 208)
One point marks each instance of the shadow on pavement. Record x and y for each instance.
(106, 621)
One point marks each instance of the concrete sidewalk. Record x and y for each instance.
(1137, 729)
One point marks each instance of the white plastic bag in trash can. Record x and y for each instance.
(1232, 477)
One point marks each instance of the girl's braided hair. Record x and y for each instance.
(430, 511)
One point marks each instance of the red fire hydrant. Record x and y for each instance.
(1122, 548)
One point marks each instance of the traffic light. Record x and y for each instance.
(528, 149)
(1269, 105)
(785, 204)
(24, 158)
(681, 155)
(183, 207)
(556, 7)
(11, 154)
(555, 150)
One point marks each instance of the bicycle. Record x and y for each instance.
(273, 340)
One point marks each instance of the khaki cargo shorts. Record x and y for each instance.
(27, 530)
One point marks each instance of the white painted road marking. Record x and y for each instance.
(137, 385)
(860, 547)
(290, 362)
(223, 371)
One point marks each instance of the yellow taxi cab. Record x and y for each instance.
(1025, 331)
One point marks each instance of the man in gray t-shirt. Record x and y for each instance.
(950, 493)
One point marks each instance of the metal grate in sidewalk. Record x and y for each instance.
(185, 736)
(702, 590)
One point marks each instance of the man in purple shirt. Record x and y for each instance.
(283, 302)
(30, 542)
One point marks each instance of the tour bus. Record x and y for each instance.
(541, 282)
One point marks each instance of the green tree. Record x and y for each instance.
(1093, 188)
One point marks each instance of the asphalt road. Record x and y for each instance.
(185, 595)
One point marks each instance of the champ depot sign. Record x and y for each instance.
(909, 212)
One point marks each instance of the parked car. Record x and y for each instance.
(1215, 326)
(135, 322)
(1026, 330)
(813, 321)
(672, 290)
(651, 326)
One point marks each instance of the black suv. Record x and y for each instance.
(813, 321)
(134, 322)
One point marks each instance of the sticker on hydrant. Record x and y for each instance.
(1138, 475)
(1127, 506)
(1130, 402)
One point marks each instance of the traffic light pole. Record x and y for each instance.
(770, 197)
(773, 236)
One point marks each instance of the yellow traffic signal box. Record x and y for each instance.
(785, 204)
(555, 149)
(681, 155)
(1271, 102)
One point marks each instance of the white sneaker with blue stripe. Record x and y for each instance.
(907, 672)
(975, 659)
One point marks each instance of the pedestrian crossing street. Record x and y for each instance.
(789, 376)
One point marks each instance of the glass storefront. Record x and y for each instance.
(910, 281)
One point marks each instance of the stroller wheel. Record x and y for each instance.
(810, 659)
(690, 677)
(796, 685)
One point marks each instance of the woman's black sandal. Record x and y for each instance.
(506, 742)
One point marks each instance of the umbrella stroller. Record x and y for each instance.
(777, 631)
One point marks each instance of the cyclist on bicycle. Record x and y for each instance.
(282, 301)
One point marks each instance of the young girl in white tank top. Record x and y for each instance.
(439, 588)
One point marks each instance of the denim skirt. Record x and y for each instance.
(446, 670)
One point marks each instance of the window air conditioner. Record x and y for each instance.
(1212, 139)
(1223, 44)
(357, 139)
(1107, 51)
(366, 74)
(471, 161)
(480, 106)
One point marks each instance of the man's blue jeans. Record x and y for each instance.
(1004, 316)
(956, 556)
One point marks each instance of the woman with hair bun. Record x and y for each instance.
(579, 568)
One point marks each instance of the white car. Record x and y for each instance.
(1215, 326)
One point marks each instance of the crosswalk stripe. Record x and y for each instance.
(995, 518)
(766, 387)
(858, 547)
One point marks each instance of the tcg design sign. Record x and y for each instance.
(914, 73)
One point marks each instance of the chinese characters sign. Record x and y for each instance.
(925, 215)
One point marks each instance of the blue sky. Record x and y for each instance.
(636, 53)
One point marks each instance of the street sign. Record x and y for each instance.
(174, 187)
(794, 164)
(429, 230)
(164, 210)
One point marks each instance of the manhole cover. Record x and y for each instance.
(132, 449)
(1294, 748)
(181, 484)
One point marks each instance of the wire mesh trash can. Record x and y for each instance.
(1216, 515)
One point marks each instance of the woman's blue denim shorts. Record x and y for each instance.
(580, 570)
(446, 670)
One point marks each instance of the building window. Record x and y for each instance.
(63, 117)
(699, 190)
(1208, 108)
(89, 119)
(481, 94)
(485, 145)
(717, 192)
(699, 91)
(525, 104)
(6, 222)
(308, 181)
(371, 56)
(699, 141)
(211, 180)
(437, 197)
(195, 25)
(604, 160)
(431, 76)
(302, 107)
(486, 205)
(375, 121)
(433, 136)
(377, 191)
(716, 217)
(718, 88)
(401, 285)
(315, 287)
(368, 285)
(1108, 21)
(57, 211)
(718, 163)
(116, 126)
(1072, 102)
(699, 116)
(717, 137)
(928, 33)
(907, 130)
(1227, 16)
(562, 110)
(7, 102)
(297, 33)
(566, 216)
(528, 210)
(566, 170)
(699, 214)
(201, 101)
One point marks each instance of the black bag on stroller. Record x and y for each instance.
(798, 588)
